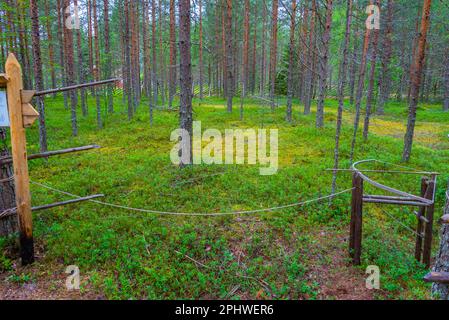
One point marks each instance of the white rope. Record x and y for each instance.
(197, 214)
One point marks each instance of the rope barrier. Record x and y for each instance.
(298, 204)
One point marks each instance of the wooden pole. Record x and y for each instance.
(78, 86)
(355, 238)
(48, 154)
(19, 154)
(427, 252)
(420, 226)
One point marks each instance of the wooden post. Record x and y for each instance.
(355, 238)
(18, 119)
(420, 226)
(427, 252)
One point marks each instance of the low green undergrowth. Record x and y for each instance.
(132, 255)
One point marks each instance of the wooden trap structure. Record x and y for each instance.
(18, 114)
(440, 274)
(425, 203)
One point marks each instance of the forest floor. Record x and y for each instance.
(297, 253)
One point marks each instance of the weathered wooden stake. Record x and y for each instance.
(355, 238)
(420, 226)
(427, 251)
(18, 144)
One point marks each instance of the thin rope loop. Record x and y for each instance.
(214, 214)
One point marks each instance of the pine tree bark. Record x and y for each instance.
(369, 98)
(154, 54)
(303, 50)
(360, 89)
(23, 43)
(229, 55)
(173, 44)
(81, 78)
(341, 93)
(107, 52)
(8, 225)
(39, 85)
(385, 77)
(51, 55)
(90, 42)
(290, 83)
(185, 115)
(127, 49)
(273, 51)
(254, 54)
(70, 69)
(416, 81)
(441, 291)
(146, 50)
(263, 58)
(324, 58)
(308, 80)
(201, 63)
(245, 60)
(353, 71)
(446, 82)
(97, 62)
(61, 49)
(161, 56)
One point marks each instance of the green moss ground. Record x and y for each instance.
(128, 255)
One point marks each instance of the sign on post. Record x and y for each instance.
(4, 115)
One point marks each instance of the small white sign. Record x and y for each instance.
(4, 116)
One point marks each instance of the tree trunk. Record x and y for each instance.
(369, 98)
(229, 55)
(201, 66)
(61, 49)
(446, 82)
(415, 44)
(154, 68)
(341, 92)
(146, 50)
(360, 89)
(50, 46)
(23, 43)
(90, 43)
(273, 51)
(385, 78)
(70, 69)
(127, 49)
(3, 44)
(185, 115)
(172, 72)
(245, 62)
(161, 57)
(254, 54)
(97, 63)
(310, 69)
(416, 81)
(303, 51)
(353, 71)
(441, 291)
(324, 65)
(263, 58)
(38, 74)
(8, 225)
(81, 69)
(290, 83)
(107, 52)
